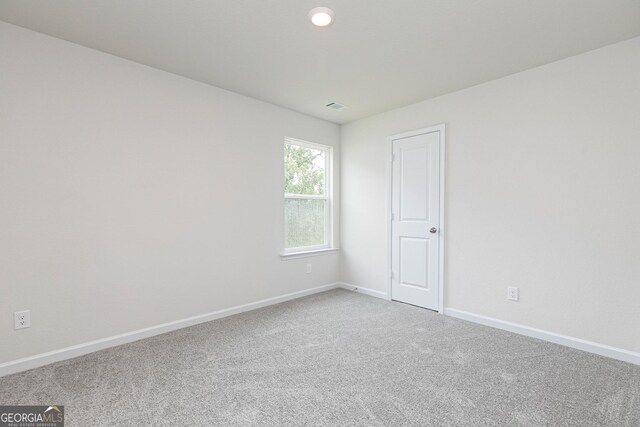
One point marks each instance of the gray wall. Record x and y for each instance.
(130, 197)
(542, 193)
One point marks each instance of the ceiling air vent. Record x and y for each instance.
(336, 106)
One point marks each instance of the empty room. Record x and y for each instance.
(327, 213)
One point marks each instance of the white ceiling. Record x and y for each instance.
(378, 55)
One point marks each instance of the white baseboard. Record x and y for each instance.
(577, 343)
(42, 359)
(92, 346)
(365, 291)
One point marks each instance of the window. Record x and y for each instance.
(307, 196)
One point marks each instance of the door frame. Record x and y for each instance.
(441, 235)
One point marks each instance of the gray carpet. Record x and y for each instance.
(336, 358)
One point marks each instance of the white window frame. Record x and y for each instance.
(328, 198)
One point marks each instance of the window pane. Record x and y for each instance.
(304, 222)
(304, 170)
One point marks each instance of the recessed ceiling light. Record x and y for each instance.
(321, 16)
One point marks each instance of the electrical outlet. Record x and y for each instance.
(512, 293)
(22, 319)
(308, 268)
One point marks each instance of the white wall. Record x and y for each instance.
(542, 192)
(130, 197)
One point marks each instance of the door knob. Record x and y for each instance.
(433, 230)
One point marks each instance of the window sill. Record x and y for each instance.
(305, 254)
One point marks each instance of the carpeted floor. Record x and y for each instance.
(340, 359)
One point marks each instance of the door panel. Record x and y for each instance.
(413, 183)
(413, 269)
(415, 215)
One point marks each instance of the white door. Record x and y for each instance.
(415, 219)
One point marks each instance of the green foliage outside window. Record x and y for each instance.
(304, 176)
(303, 170)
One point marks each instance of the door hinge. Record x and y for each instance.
(392, 216)
(391, 275)
(393, 157)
